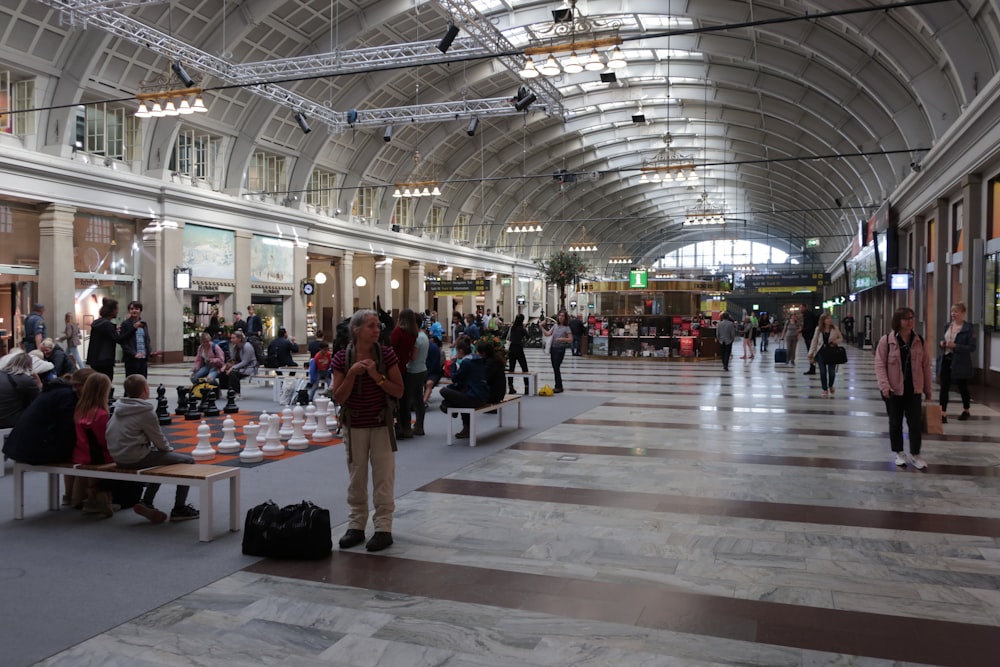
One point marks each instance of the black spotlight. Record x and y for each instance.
(387, 137)
(182, 74)
(300, 118)
(609, 77)
(525, 102)
(352, 116)
(448, 38)
(638, 118)
(473, 126)
(395, 228)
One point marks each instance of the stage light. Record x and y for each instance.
(473, 126)
(182, 74)
(387, 137)
(300, 118)
(448, 38)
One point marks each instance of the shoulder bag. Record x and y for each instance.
(835, 354)
(299, 531)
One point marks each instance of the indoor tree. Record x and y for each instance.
(562, 268)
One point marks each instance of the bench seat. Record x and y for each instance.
(190, 474)
(507, 402)
(530, 376)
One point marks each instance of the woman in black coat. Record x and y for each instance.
(955, 361)
(104, 340)
(515, 353)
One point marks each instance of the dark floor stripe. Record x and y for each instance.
(748, 509)
(761, 459)
(763, 409)
(647, 605)
(777, 429)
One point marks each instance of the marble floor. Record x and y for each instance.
(693, 517)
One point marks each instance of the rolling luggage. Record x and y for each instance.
(780, 354)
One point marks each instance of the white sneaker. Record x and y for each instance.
(900, 459)
(918, 462)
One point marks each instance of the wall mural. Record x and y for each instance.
(210, 253)
(271, 260)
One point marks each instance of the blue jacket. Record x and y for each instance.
(470, 378)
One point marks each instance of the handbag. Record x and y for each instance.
(834, 354)
(299, 531)
(930, 419)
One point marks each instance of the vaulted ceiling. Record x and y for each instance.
(800, 117)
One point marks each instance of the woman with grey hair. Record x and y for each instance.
(366, 377)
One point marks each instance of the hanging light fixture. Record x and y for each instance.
(572, 32)
(174, 93)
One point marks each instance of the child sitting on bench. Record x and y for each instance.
(136, 441)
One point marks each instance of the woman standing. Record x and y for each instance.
(903, 369)
(826, 334)
(365, 375)
(403, 340)
(104, 339)
(136, 344)
(793, 327)
(515, 353)
(748, 337)
(561, 338)
(955, 364)
(71, 335)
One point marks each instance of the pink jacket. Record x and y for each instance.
(217, 360)
(889, 371)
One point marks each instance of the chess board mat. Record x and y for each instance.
(183, 436)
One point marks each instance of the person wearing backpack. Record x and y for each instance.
(208, 361)
(903, 370)
(242, 363)
(366, 379)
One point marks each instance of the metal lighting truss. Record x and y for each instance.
(253, 76)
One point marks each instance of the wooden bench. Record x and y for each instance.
(530, 376)
(189, 474)
(473, 412)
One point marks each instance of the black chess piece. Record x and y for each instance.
(193, 412)
(302, 398)
(209, 406)
(231, 408)
(162, 409)
(182, 401)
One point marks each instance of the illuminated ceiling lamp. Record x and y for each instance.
(172, 94)
(594, 62)
(617, 59)
(529, 71)
(572, 64)
(550, 67)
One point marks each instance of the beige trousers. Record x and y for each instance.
(374, 445)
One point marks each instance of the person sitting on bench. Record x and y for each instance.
(136, 441)
(468, 388)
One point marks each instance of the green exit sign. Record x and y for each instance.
(638, 278)
(812, 243)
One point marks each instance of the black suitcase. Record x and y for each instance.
(780, 355)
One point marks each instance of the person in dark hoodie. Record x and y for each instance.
(468, 388)
(136, 441)
(46, 430)
(104, 339)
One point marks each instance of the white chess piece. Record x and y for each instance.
(310, 424)
(251, 453)
(265, 427)
(286, 424)
(229, 443)
(204, 451)
(298, 439)
(272, 445)
(322, 432)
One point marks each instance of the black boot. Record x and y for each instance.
(510, 386)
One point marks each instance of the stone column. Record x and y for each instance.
(243, 296)
(383, 279)
(345, 281)
(295, 319)
(418, 296)
(491, 297)
(163, 305)
(56, 285)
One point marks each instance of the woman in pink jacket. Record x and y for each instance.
(208, 361)
(903, 369)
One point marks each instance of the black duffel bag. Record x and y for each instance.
(299, 531)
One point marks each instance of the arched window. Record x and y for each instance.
(722, 254)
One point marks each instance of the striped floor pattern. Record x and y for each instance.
(695, 517)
